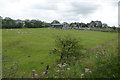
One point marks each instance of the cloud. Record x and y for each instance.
(62, 10)
(84, 8)
(44, 6)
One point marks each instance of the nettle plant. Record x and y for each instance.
(68, 48)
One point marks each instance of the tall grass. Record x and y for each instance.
(99, 62)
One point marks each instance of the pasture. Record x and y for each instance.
(29, 48)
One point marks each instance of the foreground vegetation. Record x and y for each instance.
(25, 50)
(98, 62)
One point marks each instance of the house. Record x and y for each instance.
(95, 24)
(60, 26)
(98, 23)
(65, 25)
(104, 25)
(92, 24)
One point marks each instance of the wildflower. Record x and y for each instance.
(86, 70)
(43, 73)
(68, 68)
(90, 71)
(36, 74)
(33, 70)
(103, 53)
(60, 65)
(58, 70)
(82, 75)
(65, 64)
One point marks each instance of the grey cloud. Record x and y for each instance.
(76, 10)
(47, 6)
(84, 8)
(119, 3)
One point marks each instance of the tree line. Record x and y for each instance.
(11, 23)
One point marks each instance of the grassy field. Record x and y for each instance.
(29, 48)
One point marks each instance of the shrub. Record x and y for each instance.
(68, 48)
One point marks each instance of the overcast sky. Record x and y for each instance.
(62, 10)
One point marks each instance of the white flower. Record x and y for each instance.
(86, 70)
(58, 70)
(60, 65)
(65, 64)
(82, 75)
(68, 68)
(33, 70)
(43, 73)
(90, 71)
(36, 74)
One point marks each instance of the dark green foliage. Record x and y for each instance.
(10, 23)
(101, 62)
(107, 67)
(68, 48)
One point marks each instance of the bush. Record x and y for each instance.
(68, 48)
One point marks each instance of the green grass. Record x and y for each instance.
(37, 45)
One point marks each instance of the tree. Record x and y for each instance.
(19, 25)
(1, 22)
(55, 22)
(114, 27)
(68, 48)
(8, 23)
(28, 24)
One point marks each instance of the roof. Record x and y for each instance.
(57, 24)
